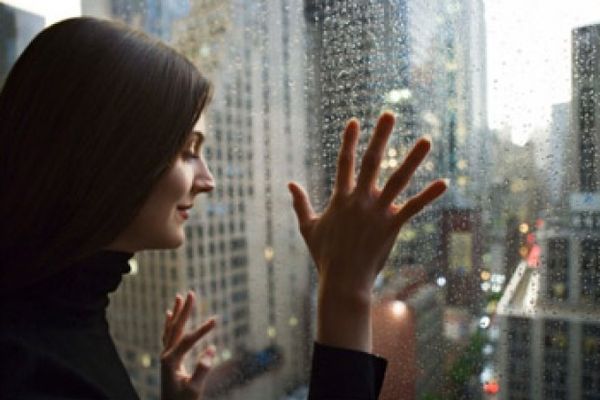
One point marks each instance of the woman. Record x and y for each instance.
(99, 154)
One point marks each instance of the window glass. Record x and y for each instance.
(494, 290)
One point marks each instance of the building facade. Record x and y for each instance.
(550, 347)
(243, 254)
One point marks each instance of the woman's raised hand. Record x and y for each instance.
(176, 382)
(351, 240)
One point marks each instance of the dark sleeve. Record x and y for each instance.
(339, 373)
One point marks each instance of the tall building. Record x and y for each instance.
(557, 155)
(243, 254)
(585, 109)
(463, 151)
(550, 313)
(423, 60)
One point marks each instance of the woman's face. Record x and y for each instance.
(160, 225)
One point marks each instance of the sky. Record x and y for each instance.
(529, 59)
(52, 10)
(528, 55)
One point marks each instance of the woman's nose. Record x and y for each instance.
(203, 180)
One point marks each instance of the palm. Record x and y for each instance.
(353, 237)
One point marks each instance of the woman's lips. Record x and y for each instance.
(184, 214)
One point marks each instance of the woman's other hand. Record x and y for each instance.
(176, 382)
(351, 240)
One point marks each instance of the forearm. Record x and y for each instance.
(344, 317)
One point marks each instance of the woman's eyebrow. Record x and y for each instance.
(199, 135)
(197, 138)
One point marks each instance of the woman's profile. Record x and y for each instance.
(102, 131)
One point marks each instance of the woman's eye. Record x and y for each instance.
(191, 155)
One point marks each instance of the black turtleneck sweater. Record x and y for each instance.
(54, 338)
(55, 342)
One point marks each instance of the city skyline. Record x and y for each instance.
(286, 76)
(518, 98)
(529, 65)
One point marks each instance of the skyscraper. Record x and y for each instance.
(243, 254)
(585, 106)
(558, 154)
(549, 312)
(423, 60)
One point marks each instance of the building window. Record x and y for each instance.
(590, 270)
(558, 269)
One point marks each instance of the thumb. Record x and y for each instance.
(301, 203)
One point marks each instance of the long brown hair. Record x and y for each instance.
(91, 115)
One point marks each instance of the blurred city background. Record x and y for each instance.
(493, 292)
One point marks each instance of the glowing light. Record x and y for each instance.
(488, 349)
(392, 152)
(134, 266)
(398, 308)
(146, 360)
(485, 286)
(393, 163)
(397, 95)
(484, 322)
(485, 275)
(269, 253)
(523, 228)
(293, 321)
(498, 278)
(271, 332)
(226, 354)
(491, 387)
(441, 281)
(204, 51)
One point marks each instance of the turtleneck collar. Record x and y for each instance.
(78, 293)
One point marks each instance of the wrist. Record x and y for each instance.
(340, 295)
(344, 316)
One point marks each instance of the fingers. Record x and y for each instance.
(168, 332)
(402, 175)
(190, 339)
(344, 182)
(180, 318)
(302, 206)
(203, 367)
(374, 153)
(416, 203)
